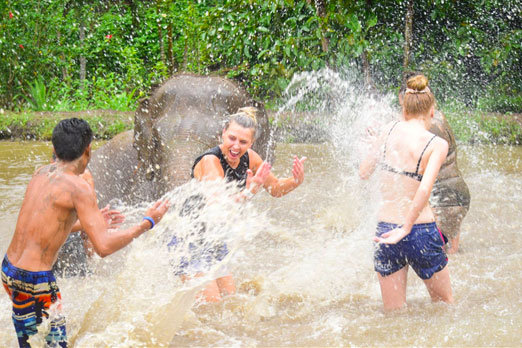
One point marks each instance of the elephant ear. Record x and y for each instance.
(141, 123)
(441, 128)
(144, 136)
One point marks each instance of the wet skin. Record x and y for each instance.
(405, 200)
(237, 140)
(56, 197)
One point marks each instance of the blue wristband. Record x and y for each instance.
(151, 220)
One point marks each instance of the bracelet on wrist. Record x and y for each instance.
(151, 220)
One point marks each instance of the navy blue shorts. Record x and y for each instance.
(422, 249)
(202, 256)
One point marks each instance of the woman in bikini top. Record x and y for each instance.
(406, 234)
(414, 175)
(408, 156)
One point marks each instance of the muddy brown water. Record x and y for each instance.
(305, 277)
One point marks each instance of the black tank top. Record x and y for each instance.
(239, 174)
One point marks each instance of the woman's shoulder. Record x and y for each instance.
(208, 158)
(443, 143)
(215, 151)
(385, 129)
(207, 164)
(436, 143)
(252, 154)
(391, 124)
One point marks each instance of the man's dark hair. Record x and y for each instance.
(70, 138)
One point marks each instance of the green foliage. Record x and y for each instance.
(40, 125)
(479, 127)
(468, 46)
(11, 126)
(472, 51)
(39, 97)
(500, 97)
(261, 44)
(500, 103)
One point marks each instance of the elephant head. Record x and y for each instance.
(180, 120)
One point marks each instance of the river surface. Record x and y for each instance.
(303, 267)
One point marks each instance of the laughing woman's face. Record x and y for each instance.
(236, 141)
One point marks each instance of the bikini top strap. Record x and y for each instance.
(422, 153)
(386, 141)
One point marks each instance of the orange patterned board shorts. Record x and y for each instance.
(35, 297)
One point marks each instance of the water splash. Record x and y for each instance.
(144, 301)
(303, 263)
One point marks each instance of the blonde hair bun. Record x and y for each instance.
(245, 117)
(249, 111)
(418, 98)
(417, 83)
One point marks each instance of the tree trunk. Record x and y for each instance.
(160, 35)
(185, 54)
(366, 70)
(62, 56)
(37, 30)
(365, 61)
(135, 16)
(320, 6)
(83, 60)
(170, 56)
(408, 35)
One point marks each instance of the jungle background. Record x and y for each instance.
(63, 56)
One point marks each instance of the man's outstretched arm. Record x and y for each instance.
(96, 228)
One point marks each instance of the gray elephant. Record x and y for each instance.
(181, 119)
(450, 199)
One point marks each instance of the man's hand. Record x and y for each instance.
(113, 218)
(157, 211)
(298, 170)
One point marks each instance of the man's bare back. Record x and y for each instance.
(46, 216)
(56, 197)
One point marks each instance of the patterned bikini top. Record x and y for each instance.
(414, 175)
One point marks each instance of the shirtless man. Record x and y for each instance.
(55, 198)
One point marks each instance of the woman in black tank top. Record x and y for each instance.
(238, 174)
(235, 161)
